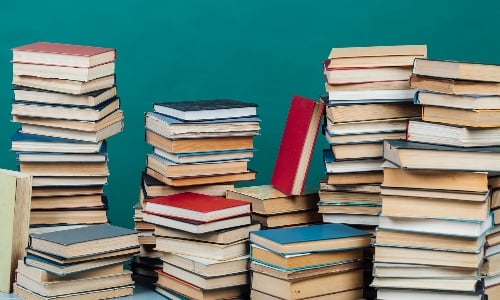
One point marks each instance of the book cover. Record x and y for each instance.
(297, 145)
(198, 207)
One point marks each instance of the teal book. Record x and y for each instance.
(84, 241)
(312, 238)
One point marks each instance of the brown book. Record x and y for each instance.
(207, 267)
(454, 86)
(199, 144)
(107, 293)
(266, 199)
(74, 87)
(372, 209)
(73, 201)
(378, 51)
(77, 216)
(457, 70)
(65, 168)
(363, 86)
(46, 191)
(366, 112)
(348, 197)
(356, 140)
(356, 151)
(354, 188)
(360, 75)
(461, 117)
(344, 295)
(355, 178)
(288, 218)
(201, 180)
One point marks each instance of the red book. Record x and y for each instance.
(197, 207)
(63, 55)
(297, 144)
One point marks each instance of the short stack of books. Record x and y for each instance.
(369, 99)
(80, 263)
(204, 244)
(272, 208)
(435, 195)
(66, 103)
(320, 261)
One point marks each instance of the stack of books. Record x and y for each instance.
(81, 263)
(435, 195)
(369, 99)
(320, 261)
(66, 103)
(204, 244)
(272, 208)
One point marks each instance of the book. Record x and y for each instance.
(464, 228)
(71, 112)
(223, 236)
(175, 128)
(350, 294)
(357, 151)
(305, 260)
(266, 199)
(208, 283)
(350, 219)
(371, 177)
(85, 136)
(468, 102)
(156, 188)
(68, 181)
(472, 285)
(196, 227)
(457, 70)
(66, 191)
(169, 168)
(73, 201)
(301, 217)
(397, 238)
(65, 168)
(378, 52)
(349, 208)
(35, 143)
(193, 110)
(80, 215)
(297, 145)
(421, 271)
(350, 166)
(100, 156)
(208, 156)
(454, 86)
(47, 53)
(114, 292)
(367, 96)
(427, 256)
(34, 95)
(197, 207)
(462, 117)
(198, 145)
(413, 155)
(76, 242)
(359, 75)
(450, 135)
(201, 180)
(190, 290)
(63, 72)
(77, 126)
(73, 87)
(434, 179)
(482, 196)
(348, 197)
(15, 199)
(309, 287)
(361, 86)
(365, 127)
(369, 112)
(206, 266)
(354, 188)
(310, 238)
(57, 260)
(406, 294)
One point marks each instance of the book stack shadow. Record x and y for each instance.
(66, 103)
(436, 238)
(77, 263)
(320, 261)
(202, 147)
(368, 100)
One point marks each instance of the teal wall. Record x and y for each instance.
(260, 51)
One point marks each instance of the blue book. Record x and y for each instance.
(312, 238)
(32, 156)
(38, 143)
(170, 120)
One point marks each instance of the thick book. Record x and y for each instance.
(379, 52)
(66, 202)
(100, 156)
(461, 117)
(452, 135)
(207, 156)
(35, 143)
(320, 237)
(413, 155)
(365, 127)
(206, 266)
(47, 53)
(74, 87)
(357, 150)
(407, 294)
(156, 188)
(368, 96)
(206, 109)
(469, 102)
(63, 72)
(368, 112)
(201, 180)
(65, 168)
(202, 249)
(297, 145)
(457, 70)
(291, 218)
(471, 285)
(107, 293)
(84, 241)
(454, 86)
(360, 75)
(197, 207)
(15, 200)
(80, 215)
(334, 166)
(35, 95)
(266, 199)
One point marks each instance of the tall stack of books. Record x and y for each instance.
(204, 244)
(435, 195)
(80, 263)
(66, 103)
(320, 261)
(369, 99)
(198, 146)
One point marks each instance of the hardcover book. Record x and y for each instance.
(206, 109)
(63, 72)
(297, 145)
(35, 95)
(453, 86)
(64, 85)
(457, 70)
(35, 143)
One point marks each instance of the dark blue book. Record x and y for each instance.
(312, 238)
(32, 156)
(38, 143)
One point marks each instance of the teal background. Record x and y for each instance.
(259, 51)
